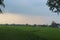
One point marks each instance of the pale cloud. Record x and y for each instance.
(23, 19)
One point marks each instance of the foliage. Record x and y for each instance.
(54, 5)
(1, 4)
(54, 25)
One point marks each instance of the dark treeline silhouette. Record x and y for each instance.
(53, 25)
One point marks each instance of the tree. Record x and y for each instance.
(54, 24)
(54, 5)
(1, 4)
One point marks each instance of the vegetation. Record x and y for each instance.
(1, 4)
(54, 5)
(29, 33)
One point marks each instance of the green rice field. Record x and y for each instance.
(29, 33)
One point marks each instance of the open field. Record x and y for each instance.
(29, 33)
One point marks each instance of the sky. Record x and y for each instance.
(27, 12)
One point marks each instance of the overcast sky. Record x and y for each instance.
(36, 11)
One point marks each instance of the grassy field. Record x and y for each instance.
(29, 33)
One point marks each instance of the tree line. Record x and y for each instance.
(53, 25)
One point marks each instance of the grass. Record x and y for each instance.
(29, 33)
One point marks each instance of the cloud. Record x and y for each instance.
(33, 12)
(23, 19)
(28, 7)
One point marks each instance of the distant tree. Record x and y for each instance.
(35, 25)
(27, 24)
(1, 4)
(54, 24)
(54, 5)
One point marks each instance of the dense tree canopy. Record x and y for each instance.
(54, 5)
(1, 4)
